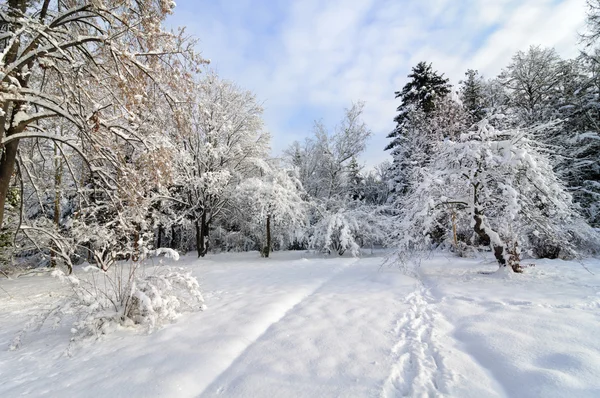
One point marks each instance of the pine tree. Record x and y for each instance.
(420, 96)
(471, 94)
(356, 182)
(421, 92)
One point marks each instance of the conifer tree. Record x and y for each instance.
(471, 94)
(421, 92)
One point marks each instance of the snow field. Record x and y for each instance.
(298, 325)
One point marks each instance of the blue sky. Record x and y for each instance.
(309, 59)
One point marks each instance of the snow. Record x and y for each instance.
(303, 325)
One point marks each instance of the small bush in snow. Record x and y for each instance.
(102, 301)
(105, 300)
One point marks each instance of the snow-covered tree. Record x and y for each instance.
(410, 146)
(222, 142)
(323, 160)
(340, 219)
(497, 184)
(531, 80)
(76, 81)
(471, 94)
(418, 143)
(271, 207)
(421, 93)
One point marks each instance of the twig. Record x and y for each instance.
(4, 290)
(585, 268)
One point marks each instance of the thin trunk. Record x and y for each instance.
(202, 229)
(57, 183)
(135, 255)
(160, 234)
(174, 242)
(454, 237)
(198, 238)
(267, 248)
(9, 152)
(480, 231)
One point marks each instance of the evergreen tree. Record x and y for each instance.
(356, 182)
(420, 97)
(471, 94)
(421, 92)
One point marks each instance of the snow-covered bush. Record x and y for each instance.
(127, 295)
(103, 300)
(335, 232)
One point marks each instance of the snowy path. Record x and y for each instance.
(297, 326)
(332, 343)
(419, 369)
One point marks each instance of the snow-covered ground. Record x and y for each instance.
(298, 325)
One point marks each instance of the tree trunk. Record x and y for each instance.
(58, 169)
(9, 152)
(7, 167)
(198, 237)
(480, 231)
(175, 237)
(500, 249)
(160, 233)
(202, 230)
(135, 255)
(267, 248)
(454, 236)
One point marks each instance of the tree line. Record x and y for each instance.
(118, 140)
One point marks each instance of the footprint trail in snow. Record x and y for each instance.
(418, 369)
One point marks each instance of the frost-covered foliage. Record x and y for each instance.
(88, 94)
(513, 166)
(222, 142)
(322, 161)
(500, 187)
(270, 208)
(421, 93)
(347, 208)
(133, 295)
(104, 300)
(335, 232)
(421, 133)
(531, 80)
(340, 229)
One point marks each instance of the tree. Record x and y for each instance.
(421, 93)
(223, 142)
(356, 182)
(580, 167)
(77, 79)
(324, 159)
(591, 36)
(419, 99)
(531, 80)
(339, 218)
(377, 187)
(271, 206)
(418, 143)
(500, 187)
(576, 141)
(471, 94)
(48, 40)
